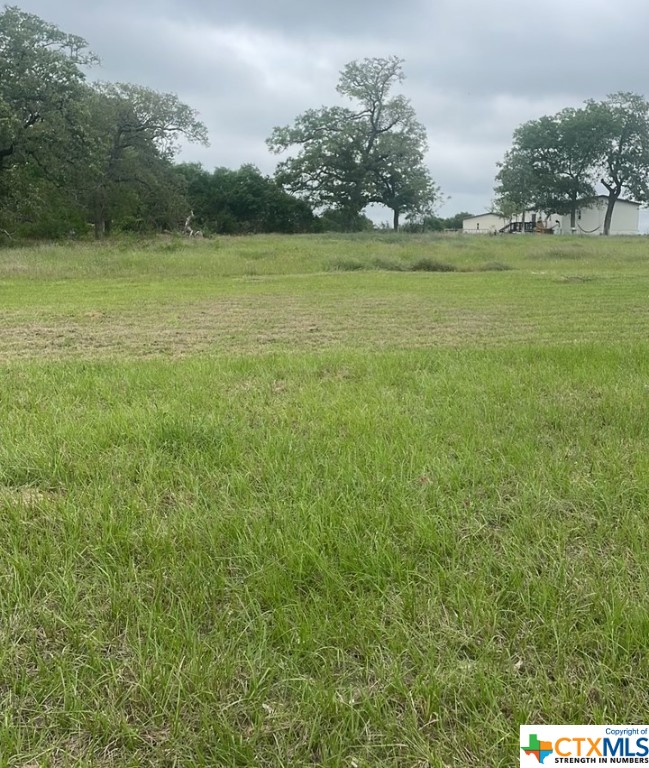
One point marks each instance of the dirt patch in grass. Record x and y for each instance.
(28, 496)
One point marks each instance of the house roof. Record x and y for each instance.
(482, 215)
(619, 200)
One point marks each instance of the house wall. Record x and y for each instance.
(626, 219)
(590, 221)
(488, 223)
(483, 225)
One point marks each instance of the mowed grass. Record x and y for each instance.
(257, 295)
(316, 514)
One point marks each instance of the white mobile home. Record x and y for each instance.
(590, 219)
(490, 223)
(484, 224)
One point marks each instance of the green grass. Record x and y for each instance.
(305, 516)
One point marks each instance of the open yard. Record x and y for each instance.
(350, 502)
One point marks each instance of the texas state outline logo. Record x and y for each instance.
(538, 748)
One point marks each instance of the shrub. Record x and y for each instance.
(347, 265)
(431, 265)
(494, 266)
(388, 264)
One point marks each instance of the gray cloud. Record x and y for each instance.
(474, 70)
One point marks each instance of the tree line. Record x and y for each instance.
(73, 152)
(78, 156)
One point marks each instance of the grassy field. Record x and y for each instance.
(339, 501)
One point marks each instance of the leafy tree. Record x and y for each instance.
(198, 191)
(243, 201)
(133, 139)
(433, 223)
(430, 224)
(566, 165)
(401, 180)
(515, 190)
(41, 108)
(551, 164)
(457, 220)
(623, 124)
(67, 148)
(349, 158)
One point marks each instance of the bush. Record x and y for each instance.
(494, 266)
(347, 265)
(343, 221)
(388, 264)
(431, 265)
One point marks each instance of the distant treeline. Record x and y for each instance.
(81, 158)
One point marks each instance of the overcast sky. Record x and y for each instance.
(475, 70)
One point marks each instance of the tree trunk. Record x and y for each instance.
(6, 152)
(99, 204)
(100, 225)
(573, 212)
(395, 219)
(613, 195)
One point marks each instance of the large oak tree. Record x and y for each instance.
(349, 157)
(72, 151)
(133, 137)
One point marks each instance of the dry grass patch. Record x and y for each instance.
(312, 318)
